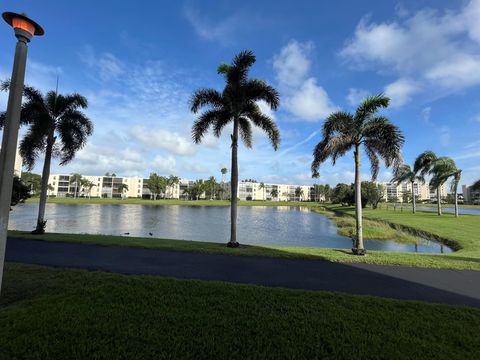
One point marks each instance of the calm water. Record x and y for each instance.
(464, 211)
(257, 225)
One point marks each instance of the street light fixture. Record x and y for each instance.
(25, 29)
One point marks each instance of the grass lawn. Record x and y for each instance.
(137, 201)
(66, 314)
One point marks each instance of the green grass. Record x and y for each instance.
(136, 201)
(74, 314)
(373, 230)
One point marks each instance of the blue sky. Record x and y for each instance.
(138, 63)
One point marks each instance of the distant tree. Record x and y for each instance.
(224, 171)
(121, 188)
(379, 138)
(443, 169)
(423, 166)
(33, 181)
(157, 185)
(405, 173)
(298, 193)
(210, 187)
(76, 180)
(342, 194)
(373, 193)
(172, 181)
(262, 186)
(274, 193)
(20, 191)
(476, 185)
(57, 127)
(88, 185)
(236, 104)
(50, 188)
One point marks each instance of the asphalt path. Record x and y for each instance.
(454, 287)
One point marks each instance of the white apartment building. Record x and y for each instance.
(421, 190)
(109, 187)
(470, 196)
(254, 191)
(105, 186)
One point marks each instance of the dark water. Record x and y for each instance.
(257, 225)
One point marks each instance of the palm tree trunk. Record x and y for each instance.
(40, 228)
(234, 187)
(456, 199)
(439, 205)
(413, 198)
(358, 247)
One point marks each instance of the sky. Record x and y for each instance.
(138, 63)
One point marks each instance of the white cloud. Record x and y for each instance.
(440, 50)
(355, 96)
(292, 64)
(426, 112)
(304, 98)
(310, 102)
(163, 164)
(105, 64)
(400, 92)
(162, 139)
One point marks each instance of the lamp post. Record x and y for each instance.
(24, 29)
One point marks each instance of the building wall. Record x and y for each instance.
(421, 190)
(470, 196)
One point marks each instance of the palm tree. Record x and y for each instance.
(88, 185)
(57, 128)
(171, 182)
(262, 186)
(423, 166)
(476, 185)
(298, 193)
(405, 173)
(380, 138)
(121, 188)
(77, 180)
(236, 104)
(443, 169)
(274, 193)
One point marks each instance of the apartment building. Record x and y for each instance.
(284, 192)
(470, 196)
(105, 186)
(421, 190)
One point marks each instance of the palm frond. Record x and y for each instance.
(403, 173)
(238, 71)
(374, 163)
(245, 131)
(339, 122)
(205, 97)
(73, 128)
(370, 106)
(33, 143)
(424, 162)
(268, 126)
(259, 90)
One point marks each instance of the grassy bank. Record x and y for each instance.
(446, 261)
(59, 314)
(136, 201)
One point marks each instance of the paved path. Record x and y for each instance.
(441, 286)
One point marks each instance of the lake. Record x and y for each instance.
(257, 225)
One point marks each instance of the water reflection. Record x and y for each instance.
(260, 225)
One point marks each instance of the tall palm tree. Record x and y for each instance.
(76, 179)
(56, 128)
(343, 131)
(423, 166)
(443, 169)
(171, 182)
(236, 104)
(88, 185)
(405, 173)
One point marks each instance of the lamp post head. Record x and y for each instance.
(25, 28)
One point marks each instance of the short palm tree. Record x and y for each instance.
(262, 186)
(405, 173)
(343, 131)
(121, 188)
(274, 193)
(443, 169)
(236, 104)
(56, 128)
(423, 166)
(88, 185)
(171, 182)
(76, 179)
